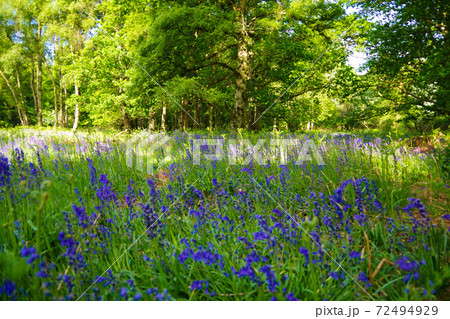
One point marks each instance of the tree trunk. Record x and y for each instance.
(61, 104)
(126, 119)
(77, 111)
(211, 109)
(32, 84)
(198, 106)
(184, 116)
(163, 116)
(180, 120)
(22, 100)
(14, 96)
(55, 94)
(255, 127)
(151, 118)
(66, 113)
(39, 76)
(242, 74)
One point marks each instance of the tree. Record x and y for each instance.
(251, 49)
(409, 48)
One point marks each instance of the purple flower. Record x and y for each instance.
(5, 171)
(184, 255)
(199, 284)
(305, 253)
(362, 277)
(327, 221)
(104, 191)
(93, 172)
(246, 271)
(354, 254)
(334, 275)
(41, 274)
(405, 264)
(30, 253)
(290, 297)
(8, 287)
(270, 276)
(261, 235)
(361, 218)
(123, 292)
(252, 257)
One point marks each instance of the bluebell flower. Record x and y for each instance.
(104, 191)
(29, 253)
(270, 276)
(405, 264)
(252, 257)
(199, 284)
(304, 251)
(261, 235)
(290, 297)
(363, 278)
(5, 171)
(361, 218)
(8, 287)
(246, 271)
(93, 172)
(41, 274)
(185, 254)
(354, 254)
(334, 275)
(123, 292)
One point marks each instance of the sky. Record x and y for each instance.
(356, 60)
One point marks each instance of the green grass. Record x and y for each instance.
(188, 210)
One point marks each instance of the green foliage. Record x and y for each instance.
(234, 204)
(409, 49)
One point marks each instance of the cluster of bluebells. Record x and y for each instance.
(202, 285)
(232, 230)
(410, 267)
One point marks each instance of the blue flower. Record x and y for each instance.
(261, 235)
(104, 191)
(252, 257)
(334, 275)
(354, 254)
(405, 264)
(290, 297)
(5, 171)
(41, 274)
(123, 292)
(271, 278)
(29, 253)
(362, 277)
(8, 287)
(361, 218)
(93, 172)
(305, 253)
(199, 284)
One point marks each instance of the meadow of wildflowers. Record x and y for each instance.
(370, 222)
